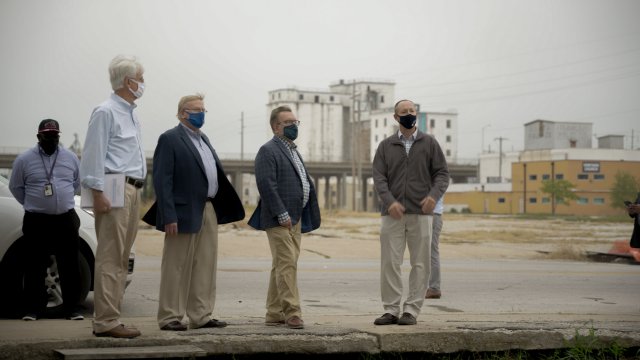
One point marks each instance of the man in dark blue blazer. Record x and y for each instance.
(193, 196)
(288, 207)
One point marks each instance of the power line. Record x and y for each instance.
(526, 93)
(536, 82)
(522, 72)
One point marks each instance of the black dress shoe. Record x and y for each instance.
(407, 319)
(175, 325)
(213, 323)
(386, 319)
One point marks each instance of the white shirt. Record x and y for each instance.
(113, 144)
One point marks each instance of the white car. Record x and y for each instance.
(13, 251)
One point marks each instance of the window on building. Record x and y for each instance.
(376, 139)
(582, 201)
(278, 95)
(381, 98)
(559, 176)
(598, 201)
(433, 123)
(316, 99)
(501, 200)
(246, 191)
(546, 176)
(448, 152)
(448, 124)
(533, 177)
(533, 200)
(545, 200)
(273, 96)
(301, 97)
(583, 176)
(331, 98)
(598, 177)
(385, 122)
(448, 138)
(540, 129)
(573, 143)
(376, 123)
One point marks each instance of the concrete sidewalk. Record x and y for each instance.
(333, 335)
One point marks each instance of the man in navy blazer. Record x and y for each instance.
(193, 196)
(288, 207)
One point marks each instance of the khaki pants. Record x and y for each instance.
(412, 231)
(283, 299)
(116, 232)
(188, 274)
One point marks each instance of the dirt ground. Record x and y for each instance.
(464, 236)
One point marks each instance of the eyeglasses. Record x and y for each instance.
(195, 111)
(290, 122)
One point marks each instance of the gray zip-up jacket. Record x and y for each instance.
(409, 178)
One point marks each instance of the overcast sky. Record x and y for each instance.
(498, 63)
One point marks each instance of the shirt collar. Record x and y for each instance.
(115, 97)
(290, 144)
(192, 133)
(412, 137)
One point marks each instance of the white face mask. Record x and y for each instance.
(138, 93)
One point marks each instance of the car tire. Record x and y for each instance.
(11, 280)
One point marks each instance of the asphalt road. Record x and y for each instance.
(334, 287)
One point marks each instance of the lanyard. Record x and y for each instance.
(48, 173)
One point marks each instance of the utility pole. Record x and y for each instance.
(500, 140)
(242, 136)
(353, 145)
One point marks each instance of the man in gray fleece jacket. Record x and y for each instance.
(410, 174)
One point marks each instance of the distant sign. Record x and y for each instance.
(590, 167)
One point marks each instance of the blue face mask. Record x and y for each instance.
(196, 119)
(291, 132)
(408, 121)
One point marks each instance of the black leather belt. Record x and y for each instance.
(135, 182)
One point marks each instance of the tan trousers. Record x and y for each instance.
(116, 232)
(283, 299)
(412, 231)
(188, 274)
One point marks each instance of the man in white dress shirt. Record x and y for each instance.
(113, 145)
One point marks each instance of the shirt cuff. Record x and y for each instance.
(283, 218)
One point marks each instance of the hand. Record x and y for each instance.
(633, 209)
(396, 210)
(287, 224)
(171, 229)
(101, 203)
(428, 204)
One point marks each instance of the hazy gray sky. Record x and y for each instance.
(500, 63)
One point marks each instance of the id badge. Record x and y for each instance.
(48, 190)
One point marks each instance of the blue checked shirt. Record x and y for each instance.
(284, 217)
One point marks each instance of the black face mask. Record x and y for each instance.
(408, 121)
(49, 144)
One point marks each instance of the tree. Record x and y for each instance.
(625, 187)
(560, 190)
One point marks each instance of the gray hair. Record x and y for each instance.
(273, 119)
(123, 66)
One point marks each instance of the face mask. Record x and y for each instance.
(48, 145)
(138, 93)
(196, 119)
(291, 132)
(408, 121)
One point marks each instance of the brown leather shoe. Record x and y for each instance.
(119, 331)
(213, 323)
(295, 322)
(175, 325)
(433, 294)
